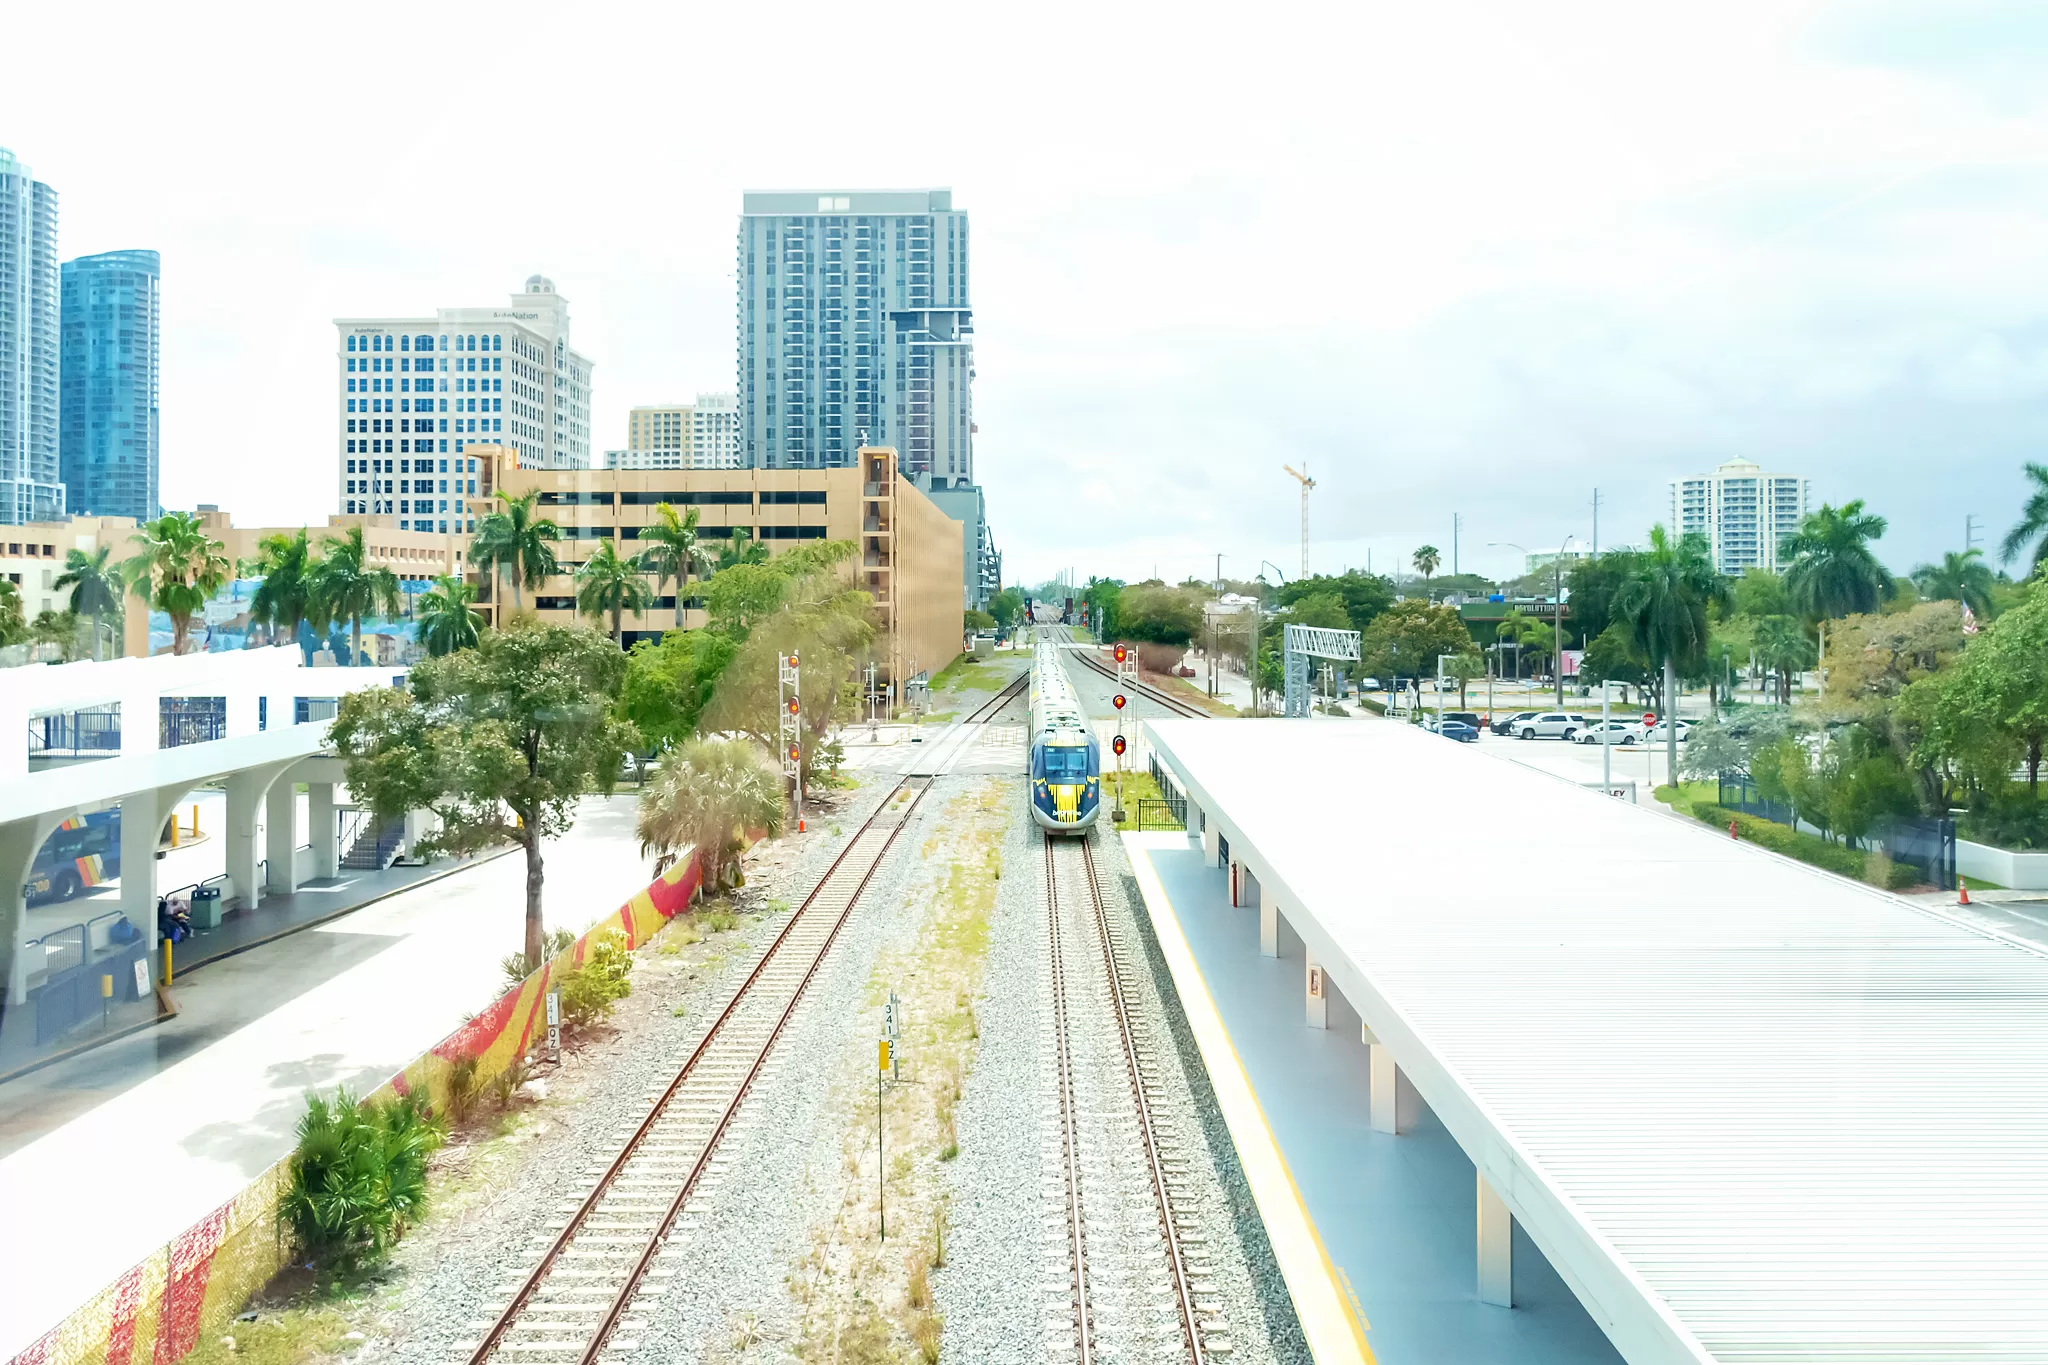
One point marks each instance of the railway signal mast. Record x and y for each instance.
(1306, 484)
(790, 731)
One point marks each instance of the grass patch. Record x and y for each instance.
(1687, 797)
(290, 1336)
(1135, 788)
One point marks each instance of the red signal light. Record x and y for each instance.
(1121, 653)
(1118, 701)
(1118, 745)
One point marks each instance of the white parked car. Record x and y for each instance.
(1656, 734)
(1611, 732)
(1551, 725)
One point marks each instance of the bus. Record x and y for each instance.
(78, 855)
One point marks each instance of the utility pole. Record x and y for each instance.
(1970, 532)
(1596, 523)
(1457, 524)
(1306, 484)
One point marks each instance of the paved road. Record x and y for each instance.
(119, 1150)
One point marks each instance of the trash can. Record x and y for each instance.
(206, 908)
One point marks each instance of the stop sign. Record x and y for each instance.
(1649, 718)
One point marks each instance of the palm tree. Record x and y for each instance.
(11, 625)
(741, 548)
(1960, 577)
(95, 587)
(607, 583)
(444, 621)
(345, 587)
(1833, 571)
(672, 551)
(1664, 606)
(2033, 522)
(1784, 648)
(710, 793)
(179, 567)
(517, 541)
(1426, 560)
(284, 598)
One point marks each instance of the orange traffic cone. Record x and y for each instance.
(1962, 892)
(799, 824)
(1733, 832)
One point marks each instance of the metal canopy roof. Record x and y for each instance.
(1750, 1111)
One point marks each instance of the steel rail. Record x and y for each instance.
(1070, 1138)
(1144, 689)
(523, 1297)
(1183, 1279)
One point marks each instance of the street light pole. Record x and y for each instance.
(1440, 690)
(1557, 618)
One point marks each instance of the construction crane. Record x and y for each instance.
(1306, 484)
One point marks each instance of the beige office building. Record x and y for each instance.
(700, 435)
(909, 555)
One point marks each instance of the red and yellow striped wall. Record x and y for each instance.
(157, 1312)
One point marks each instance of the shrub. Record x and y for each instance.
(358, 1177)
(464, 1088)
(591, 987)
(1807, 848)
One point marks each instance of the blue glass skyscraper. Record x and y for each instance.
(29, 486)
(108, 431)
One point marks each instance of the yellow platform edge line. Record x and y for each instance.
(1329, 1320)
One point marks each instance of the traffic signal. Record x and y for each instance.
(1121, 653)
(792, 706)
(1117, 701)
(792, 659)
(1117, 744)
(795, 755)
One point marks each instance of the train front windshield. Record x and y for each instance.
(1066, 763)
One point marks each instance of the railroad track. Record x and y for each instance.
(1117, 1163)
(1143, 689)
(596, 1279)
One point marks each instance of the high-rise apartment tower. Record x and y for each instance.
(1745, 513)
(31, 488)
(107, 438)
(700, 435)
(855, 328)
(414, 393)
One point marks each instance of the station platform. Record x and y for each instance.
(107, 1155)
(1557, 1077)
(1373, 1231)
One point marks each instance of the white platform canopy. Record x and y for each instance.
(1748, 1110)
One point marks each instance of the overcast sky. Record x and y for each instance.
(1455, 259)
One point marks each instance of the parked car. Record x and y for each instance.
(1453, 729)
(1656, 734)
(1611, 732)
(1505, 725)
(1470, 718)
(1550, 725)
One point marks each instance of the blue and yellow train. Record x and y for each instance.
(1066, 761)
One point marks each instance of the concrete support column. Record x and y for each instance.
(142, 820)
(280, 836)
(20, 841)
(245, 791)
(1496, 1247)
(1269, 924)
(1383, 1078)
(1210, 850)
(1318, 994)
(322, 829)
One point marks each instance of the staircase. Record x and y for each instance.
(376, 846)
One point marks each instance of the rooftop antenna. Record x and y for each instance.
(1306, 484)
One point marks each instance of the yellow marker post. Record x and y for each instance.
(882, 1051)
(174, 829)
(195, 819)
(167, 962)
(106, 996)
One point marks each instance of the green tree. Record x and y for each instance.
(12, 627)
(2001, 681)
(95, 587)
(741, 594)
(445, 619)
(1613, 657)
(1159, 615)
(59, 628)
(607, 585)
(1425, 560)
(1363, 595)
(741, 548)
(669, 682)
(1665, 608)
(518, 543)
(973, 621)
(2033, 523)
(1960, 577)
(1104, 597)
(1758, 593)
(499, 741)
(178, 568)
(1730, 746)
(1406, 638)
(672, 552)
(1833, 570)
(284, 596)
(1007, 605)
(709, 796)
(1783, 647)
(1593, 584)
(344, 586)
